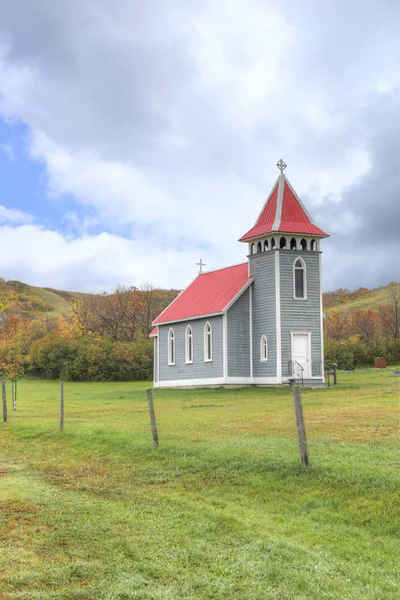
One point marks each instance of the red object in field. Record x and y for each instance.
(380, 363)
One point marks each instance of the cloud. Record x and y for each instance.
(161, 123)
(13, 215)
(90, 262)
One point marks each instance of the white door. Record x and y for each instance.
(301, 354)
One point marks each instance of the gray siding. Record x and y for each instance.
(198, 369)
(239, 337)
(301, 315)
(155, 360)
(262, 268)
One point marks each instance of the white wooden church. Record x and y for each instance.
(256, 323)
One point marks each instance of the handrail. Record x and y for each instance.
(294, 363)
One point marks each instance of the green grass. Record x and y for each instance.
(220, 510)
(60, 305)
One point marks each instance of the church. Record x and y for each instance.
(256, 323)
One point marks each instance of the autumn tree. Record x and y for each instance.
(389, 313)
(365, 324)
(337, 325)
(115, 315)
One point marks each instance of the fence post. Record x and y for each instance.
(61, 406)
(152, 418)
(14, 394)
(334, 373)
(301, 430)
(4, 396)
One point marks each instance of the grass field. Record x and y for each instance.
(221, 510)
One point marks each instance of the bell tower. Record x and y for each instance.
(284, 258)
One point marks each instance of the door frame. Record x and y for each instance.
(308, 371)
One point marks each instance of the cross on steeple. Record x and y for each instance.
(201, 265)
(281, 165)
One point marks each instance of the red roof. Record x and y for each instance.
(283, 212)
(153, 332)
(210, 293)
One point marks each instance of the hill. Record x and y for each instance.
(346, 301)
(32, 301)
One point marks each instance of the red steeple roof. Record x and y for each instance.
(209, 294)
(283, 212)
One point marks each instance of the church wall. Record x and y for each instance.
(198, 369)
(239, 337)
(301, 315)
(155, 359)
(262, 268)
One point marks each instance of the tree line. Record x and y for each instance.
(105, 338)
(355, 338)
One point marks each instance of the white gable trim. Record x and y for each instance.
(279, 201)
(321, 322)
(267, 200)
(244, 288)
(278, 317)
(251, 329)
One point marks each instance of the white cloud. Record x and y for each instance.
(164, 122)
(13, 215)
(91, 262)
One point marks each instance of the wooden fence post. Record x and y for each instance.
(14, 394)
(61, 406)
(334, 373)
(152, 418)
(301, 430)
(4, 396)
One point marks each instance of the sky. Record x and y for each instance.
(138, 137)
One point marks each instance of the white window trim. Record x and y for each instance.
(262, 358)
(304, 280)
(188, 336)
(171, 362)
(206, 357)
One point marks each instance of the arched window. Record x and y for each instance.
(293, 244)
(313, 245)
(282, 243)
(171, 347)
(189, 344)
(207, 343)
(265, 245)
(299, 278)
(259, 247)
(263, 348)
(252, 249)
(303, 244)
(272, 243)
